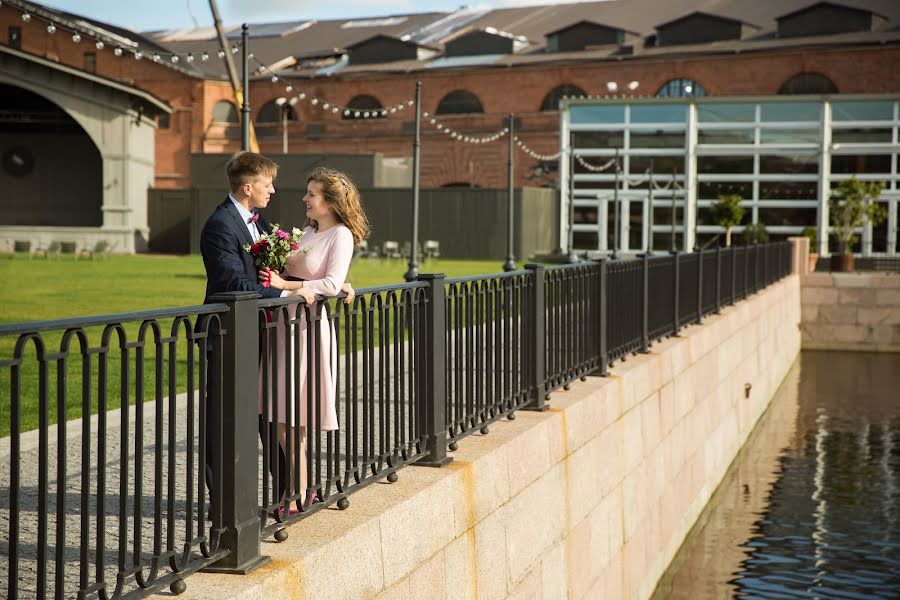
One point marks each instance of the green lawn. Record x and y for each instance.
(41, 289)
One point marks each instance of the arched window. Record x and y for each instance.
(271, 113)
(680, 88)
(567, 90)
(459, 102)
(364, 107)
(224, 112)
(808, 83)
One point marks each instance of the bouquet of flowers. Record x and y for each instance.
(272, 249)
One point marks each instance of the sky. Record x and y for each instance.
(150, 15)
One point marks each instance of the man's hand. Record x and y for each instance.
(351, 293)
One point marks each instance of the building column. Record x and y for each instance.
(824, 180)
(690, 188)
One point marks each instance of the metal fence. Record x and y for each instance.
(136, 498)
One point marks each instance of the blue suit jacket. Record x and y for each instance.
(230, 268)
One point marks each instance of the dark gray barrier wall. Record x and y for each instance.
(468, 223)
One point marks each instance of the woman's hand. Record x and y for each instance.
(274, 279)
(307, 294)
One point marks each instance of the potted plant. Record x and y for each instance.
(852, 204)
(727, 213)
(755, 233)
(809, 233)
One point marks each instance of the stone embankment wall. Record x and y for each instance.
(590, 499)
(851, 311)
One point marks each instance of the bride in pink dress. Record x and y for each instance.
(336, 224)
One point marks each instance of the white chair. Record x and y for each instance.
(432, 249)
(391, 249)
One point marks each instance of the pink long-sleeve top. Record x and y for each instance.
(323, 259)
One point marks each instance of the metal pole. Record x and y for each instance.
(432, 372)
(616, 205)
(536, 340)
(674, 209)
(245, 82)
(413, 271)
(510, 264)
(284, 120)
(572, 258)
(649, 245)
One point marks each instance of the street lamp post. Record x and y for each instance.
(572, 257)
(510, 264)
(245, 83)
(285, 106)
(413, 271)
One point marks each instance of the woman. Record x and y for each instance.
(336, 224)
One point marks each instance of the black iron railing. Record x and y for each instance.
(124, 504)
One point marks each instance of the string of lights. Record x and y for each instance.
(595, 168)
(535, 155)
(106, 40)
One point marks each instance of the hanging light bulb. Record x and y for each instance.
(51, 28)
(156, 57)
(138, 55)
(117, 51)
(325, 106)
(221, 53)
(346, 112)
(356, 114)
(314, 101)
(366, 115)
(433, 121)
(189, 57)
(274, 78)
(234, 49)
(175, 59)
(393, 110)
(76, 37)
(301, 95)
(205, 56)
(335, 109)
(99, 45)
(288, 88)
(26, 17)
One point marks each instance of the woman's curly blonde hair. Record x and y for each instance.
(343, 198)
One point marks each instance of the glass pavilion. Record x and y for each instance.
(781, 154)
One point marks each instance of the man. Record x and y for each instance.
(229, 268)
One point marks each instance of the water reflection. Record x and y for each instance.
(811, 507)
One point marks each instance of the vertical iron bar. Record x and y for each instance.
(676, 324)
(718, 279)
(432, 381)
(645, 303)
(536, 342)
(699, 286)
(602, 310)
(616, 205)
(733, 298)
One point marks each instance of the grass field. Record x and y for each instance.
(41, 289)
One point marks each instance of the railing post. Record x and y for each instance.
(747, 250)
(602, 310)
(675, 324)
(645, 303)
(699, 286)
(238, 389)
(733, 275)
(718, 279)
(432, 389)
(765, 262)
(536, 341)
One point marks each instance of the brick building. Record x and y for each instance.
(346, 85)
(518, 60)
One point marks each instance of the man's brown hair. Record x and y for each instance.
(244, 166)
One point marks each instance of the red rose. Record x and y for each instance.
(263, 244)
(254, 249)
(295, 246)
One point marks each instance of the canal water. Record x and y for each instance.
(811, 506)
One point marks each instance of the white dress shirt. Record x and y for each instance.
(246, 215)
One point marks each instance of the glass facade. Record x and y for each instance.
(782, 156)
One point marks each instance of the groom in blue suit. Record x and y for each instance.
(229, 268)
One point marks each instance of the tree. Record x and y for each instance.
(853, 203)
(728, 212)
(755, 233)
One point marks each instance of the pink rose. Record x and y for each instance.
(295, 246)
(282, 235)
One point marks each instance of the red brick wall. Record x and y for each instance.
(501, 90)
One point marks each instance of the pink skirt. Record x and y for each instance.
(293, 371)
